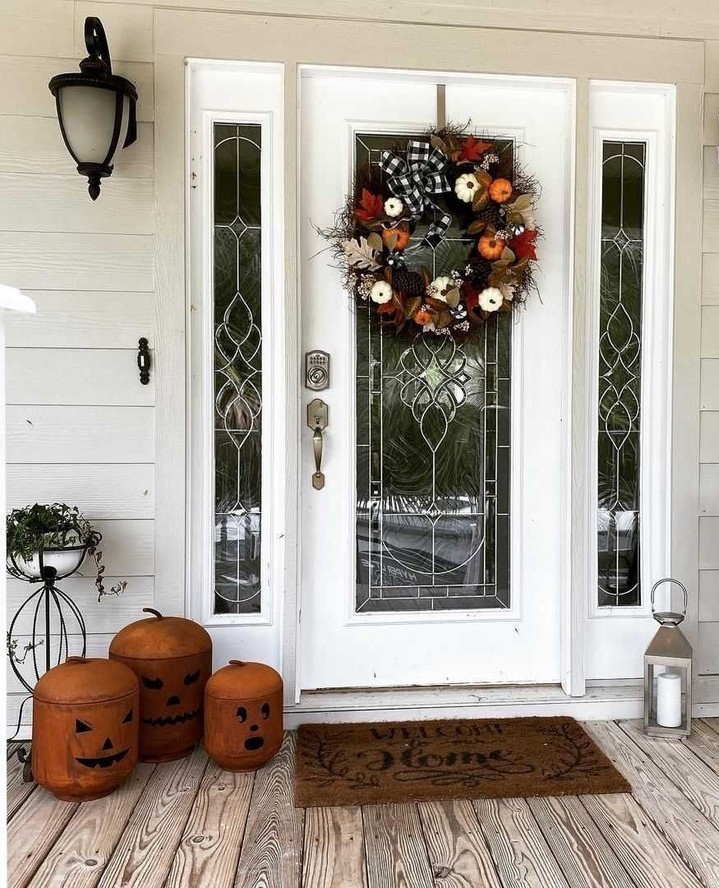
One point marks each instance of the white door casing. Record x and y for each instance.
(335, 647)
(339, 648)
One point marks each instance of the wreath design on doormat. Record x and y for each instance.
(440, 235)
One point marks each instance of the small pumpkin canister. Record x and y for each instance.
(84, 728)
(243, 715)
(172, 658)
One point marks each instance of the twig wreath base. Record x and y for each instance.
(401, 212)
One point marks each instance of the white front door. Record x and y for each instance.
(436, 551)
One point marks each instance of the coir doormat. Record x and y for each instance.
(383, 762)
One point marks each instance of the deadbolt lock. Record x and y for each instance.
(317, 370)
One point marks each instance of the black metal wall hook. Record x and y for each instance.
(144, 360)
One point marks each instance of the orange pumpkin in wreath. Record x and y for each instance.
(490, 246)
(500, 190)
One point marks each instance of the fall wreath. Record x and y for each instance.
(439, 234)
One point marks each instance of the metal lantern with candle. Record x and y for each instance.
(668, 673)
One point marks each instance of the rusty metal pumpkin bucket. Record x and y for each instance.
(243, 715)
(84, 731)
(172, 658)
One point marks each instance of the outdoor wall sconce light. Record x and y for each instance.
(96, 109)
(668, 693)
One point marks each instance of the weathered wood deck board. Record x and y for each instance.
(688, 773)
(188, 823)
(333, 848)
(519, 850)
(394, 847)
(210, 846)
(686, 828)
(648, 858)
(86, 844)
(271, 854)
(458, 854)
(145, 853)
(704, 743)
(576, 842)
(32, 833)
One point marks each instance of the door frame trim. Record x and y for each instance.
(212, 35)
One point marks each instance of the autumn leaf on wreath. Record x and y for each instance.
(473, 149)
(524, 245)
(361, 254)
(370, 207)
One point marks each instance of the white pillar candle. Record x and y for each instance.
(669, 700)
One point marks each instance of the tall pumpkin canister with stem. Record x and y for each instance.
(172, 659)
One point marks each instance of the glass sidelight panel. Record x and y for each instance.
(237, 367)
(433, 453)
(620, 326)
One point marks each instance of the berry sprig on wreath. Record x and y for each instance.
(401, 211)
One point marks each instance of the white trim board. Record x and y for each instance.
(603, 702)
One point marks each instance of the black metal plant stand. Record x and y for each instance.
(57, 623)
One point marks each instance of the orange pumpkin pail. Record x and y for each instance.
(172, 659)
(84, 728)
(243, 715)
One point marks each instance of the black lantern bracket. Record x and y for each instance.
(96, 73)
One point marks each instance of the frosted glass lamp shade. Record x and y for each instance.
(96, 110)
(88, 116)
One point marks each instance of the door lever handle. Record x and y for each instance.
(318, 479)
(317, 420)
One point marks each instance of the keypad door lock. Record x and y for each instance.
(317, 370)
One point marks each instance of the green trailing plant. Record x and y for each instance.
(45, 526)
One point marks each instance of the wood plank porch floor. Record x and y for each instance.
(188, 823)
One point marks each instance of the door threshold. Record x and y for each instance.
(497, 701)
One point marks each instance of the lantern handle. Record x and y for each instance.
(676, 583)
(96, 42)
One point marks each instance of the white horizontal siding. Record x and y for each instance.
(707, 653)
(102, 491)
(84, 320)
(36, 27)
(76, 376)
(129, 27)
(61, 203)
(25, 80)
(108, 615)
(80, 426)
(43, 133)
(51, 434)
(71, 261)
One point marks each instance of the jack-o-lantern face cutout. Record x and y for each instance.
(111, 752)
(85, 728)
(172, 659)
(171, 700)
(262, 712)
(243, 715)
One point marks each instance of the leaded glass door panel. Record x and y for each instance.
(434, 552)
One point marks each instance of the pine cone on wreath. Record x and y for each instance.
(479, 270)
(408, 282)
(490, 214)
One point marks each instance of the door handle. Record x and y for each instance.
(317, 413)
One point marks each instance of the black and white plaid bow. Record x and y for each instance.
(417, 177)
